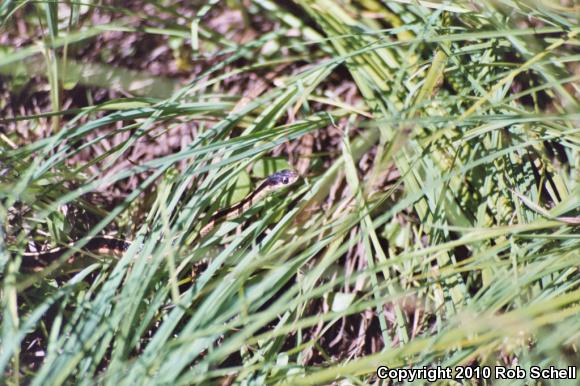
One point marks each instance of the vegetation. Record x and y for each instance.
(435, 223)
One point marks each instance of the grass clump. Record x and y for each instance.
(435, 223)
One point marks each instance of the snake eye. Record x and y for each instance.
(285, 180)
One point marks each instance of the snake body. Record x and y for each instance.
(106, 245)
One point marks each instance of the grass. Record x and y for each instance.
(436, 223)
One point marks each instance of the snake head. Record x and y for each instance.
(283, 178)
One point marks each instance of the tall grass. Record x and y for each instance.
(469, 257)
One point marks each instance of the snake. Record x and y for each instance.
(112, 246)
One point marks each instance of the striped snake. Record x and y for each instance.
(106, 245)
